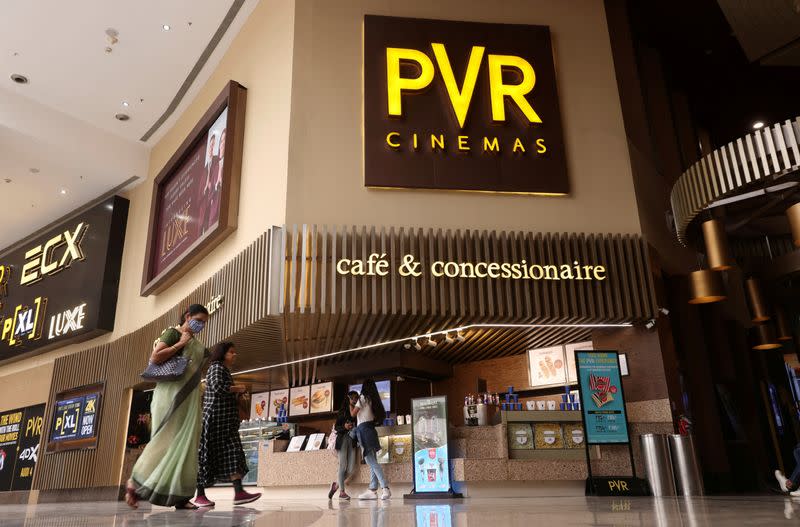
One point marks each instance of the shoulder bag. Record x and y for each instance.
(171, 369)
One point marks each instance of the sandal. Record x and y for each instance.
(186, 506)
(130, 495)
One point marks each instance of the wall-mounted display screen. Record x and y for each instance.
(384, 389)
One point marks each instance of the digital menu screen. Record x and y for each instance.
(384, 389)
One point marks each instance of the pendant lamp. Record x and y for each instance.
(705, 287)
(758, 307)
(793, 214)
(765, 338)
(782, 323)
(716, 241)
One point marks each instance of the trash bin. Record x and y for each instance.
(684, 464)
(657, 464)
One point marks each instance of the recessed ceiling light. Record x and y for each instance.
(166, 27)
(19, 79)
(125, 104)
(122, 117)
(33, 170)
(758, 124)
(63, 191)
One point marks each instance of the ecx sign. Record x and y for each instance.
(61, 286)
(461, 106)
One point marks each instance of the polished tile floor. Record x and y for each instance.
(483, 512)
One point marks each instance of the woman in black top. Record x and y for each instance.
(345, 446)
(221, 457)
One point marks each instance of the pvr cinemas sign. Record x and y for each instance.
(62, 286)
(461, 106)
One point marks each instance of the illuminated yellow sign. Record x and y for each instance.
(378, 265)
(461, 98)
(39, 261)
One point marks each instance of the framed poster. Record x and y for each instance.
(602, 399)
(315, 441)
(296, 444)
(195, 201)
(623, 364)
(259, 405)
(299, 400)
(321, 397)
(276, 399)
(20, 435)
(429, 443)
(547, 367)
(76, 418)
(572, 374)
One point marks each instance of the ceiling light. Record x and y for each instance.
(63, 191)
(165, 27)
(432, 343)
(33, 170)
(448, 339)
(758, 124)
(19, 79)
(460, 336)
(122, 117)
(417, 345)
(125, 104)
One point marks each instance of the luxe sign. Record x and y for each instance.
(461, 106)
(62, 286)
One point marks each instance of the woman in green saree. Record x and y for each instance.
(166, 472)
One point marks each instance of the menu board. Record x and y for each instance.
(321, 397)
(276, 398)
(20, 434)
(299, 401)
(547, 367)
(75, 419)
(259, 405)
(429, 438)
(296, 444)
(602, 399)
(315, 441)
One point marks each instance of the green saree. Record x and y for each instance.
(166, 472)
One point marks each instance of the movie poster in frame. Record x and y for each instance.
(195, 201)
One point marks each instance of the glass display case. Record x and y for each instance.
(257, 432)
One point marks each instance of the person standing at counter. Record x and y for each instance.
(166, 472)
(221, 456)
(345, 446)
(369, 412)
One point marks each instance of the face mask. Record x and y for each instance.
(196, 326)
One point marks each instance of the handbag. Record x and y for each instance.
(171, 369)
(332, 441)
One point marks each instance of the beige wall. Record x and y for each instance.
(326, 179)
(28, 387)
(260, 58)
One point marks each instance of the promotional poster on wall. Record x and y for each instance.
(259, 405)
(321, 397)
(602, 400)
(20, 435)
(299, 402)
(76, 416)
(429, 436)
(276, 399)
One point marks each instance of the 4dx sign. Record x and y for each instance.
(461, 106)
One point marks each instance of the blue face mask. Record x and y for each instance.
(196, 326)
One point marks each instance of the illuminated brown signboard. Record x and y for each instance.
(461, 106)
(61, 286)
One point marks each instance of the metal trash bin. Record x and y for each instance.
(657, 464)
(684, 463)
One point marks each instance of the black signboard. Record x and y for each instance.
(20, 434)
(461, 106)
(76, 417)
(61, 287)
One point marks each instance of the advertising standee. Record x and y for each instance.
(20, 434)
(429, 444)
(605, 419)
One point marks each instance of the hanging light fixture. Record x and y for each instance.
(765, 338)
(782, 323)
(717, 252)
(705, 287)
(793, 214)
(758, 307)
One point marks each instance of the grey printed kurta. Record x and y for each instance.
(221, 453)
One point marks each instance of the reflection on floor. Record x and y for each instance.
(716, 511)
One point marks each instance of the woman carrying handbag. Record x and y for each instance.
(166, 472)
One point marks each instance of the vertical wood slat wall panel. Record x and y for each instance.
(119, 363)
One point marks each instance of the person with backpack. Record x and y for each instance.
(345, 446)
(369, 412)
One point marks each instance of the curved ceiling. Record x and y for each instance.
(60, 143)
